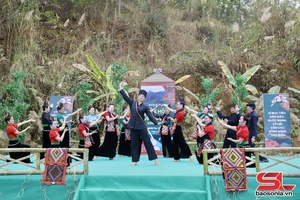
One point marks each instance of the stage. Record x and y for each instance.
(116, 179)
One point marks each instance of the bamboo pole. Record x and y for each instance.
(86, 163)
(281, 161)
(36, 168)
(205, 163)
(257, 152)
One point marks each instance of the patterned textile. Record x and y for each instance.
(127, 134)
(164, 130)
(234, 169)
(55, 166)
(207, 144)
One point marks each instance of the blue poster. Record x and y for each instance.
(277, 120)
(67, 101)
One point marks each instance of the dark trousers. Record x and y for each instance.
(136, 136)
(181, 148)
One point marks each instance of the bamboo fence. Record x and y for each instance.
(294, 152)
(35, 168)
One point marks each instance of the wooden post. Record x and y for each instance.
(257, 166)
(38, 160)
(205, 163)
(86, 162)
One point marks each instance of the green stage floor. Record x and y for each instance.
(178, 178)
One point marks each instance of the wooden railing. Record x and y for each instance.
(294, 153)
(35, 168)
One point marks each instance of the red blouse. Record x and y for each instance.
(81, 129)
(53, 134)
(242, 132)
(107, 114)
(179, 116)
(210, 130)
(11, 130)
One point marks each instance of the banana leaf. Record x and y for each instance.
(251, 88)
(182, 79)
(274, 90)
(294, 90)
(250, 72)
(227, 73)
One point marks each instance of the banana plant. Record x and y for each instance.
(105, 90)
(108, 81)
(238, 84)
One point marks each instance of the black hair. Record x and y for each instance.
(181, 101)
(60, 106)
(233, 105)
(210, 115)
(51, 121)
(80, 117)
(45, 105)
(247, 117)
(90, 107)
(7, 117)
(124, 108)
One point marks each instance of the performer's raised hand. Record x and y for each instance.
(122, 84)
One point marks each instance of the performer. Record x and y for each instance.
(242, 134)
(206, 134)
(252, 126)
(13, 133)
(85, 139)
(60, 118)
(54, 135)
(138, 126)
(124, 141)
(232, 120)
(46, 121)
(108, 148)
(96, 136)
(206, 109)
(179, 142)
(165, 134)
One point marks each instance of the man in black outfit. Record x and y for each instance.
(252, 126)
(232, 120)
(138, 126)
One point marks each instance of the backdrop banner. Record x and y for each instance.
(277, 120)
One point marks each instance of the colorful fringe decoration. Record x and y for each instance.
(234, 169)
(55, 166)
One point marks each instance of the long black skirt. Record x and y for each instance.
(167, 145)
(91, 153)
(109, 146)
(96, 138)
(46, 140)
(65, 143)
(181, 148)
(17, 155)
(124, 145)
